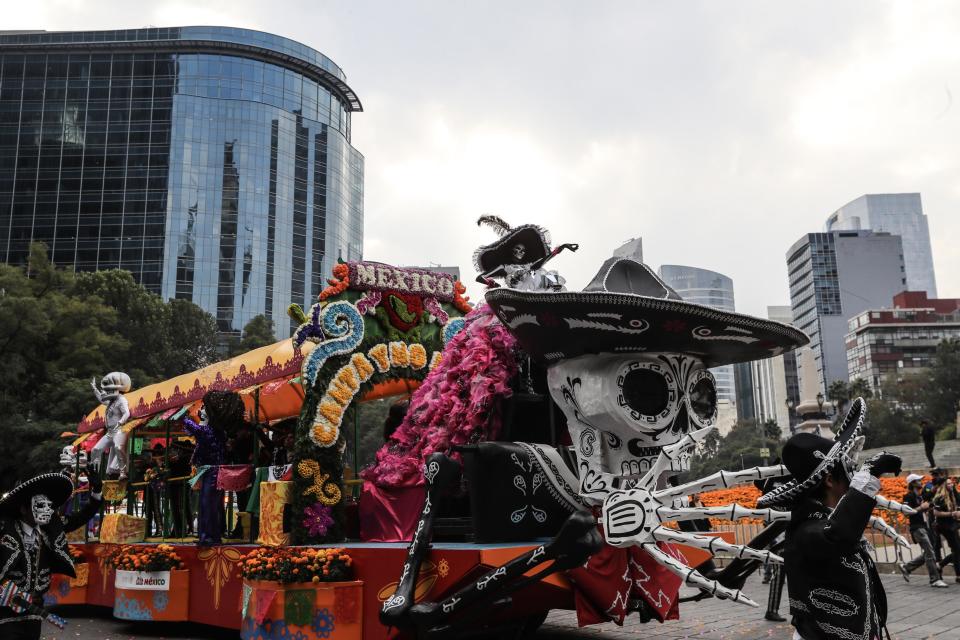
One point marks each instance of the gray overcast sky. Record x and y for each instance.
(718, 131)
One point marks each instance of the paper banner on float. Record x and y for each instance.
(143, 580)
(262, 600)
(247, 592)
(298, 606)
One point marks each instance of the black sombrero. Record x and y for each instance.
(810, 457)
(525, 244)
(55, 486)
(628, 308)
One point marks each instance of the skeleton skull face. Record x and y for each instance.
(519, 251)
(623, 409)
(203, 415)
(42, 508)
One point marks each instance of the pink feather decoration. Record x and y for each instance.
(458, 403)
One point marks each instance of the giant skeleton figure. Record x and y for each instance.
(114, 441)
(627, 361)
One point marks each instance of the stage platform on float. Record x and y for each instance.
(215, 585)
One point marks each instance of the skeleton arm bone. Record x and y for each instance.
(893, 505)
(727, 512)
(722, 479)
(98, 393)
(877, 524)
(670, 457)
(694, 577)
(712, 544)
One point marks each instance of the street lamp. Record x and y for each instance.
(789, 403)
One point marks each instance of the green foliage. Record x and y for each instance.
(740, 448)
(887, 425)
(257, 333)
(839, 393)
(59, 329)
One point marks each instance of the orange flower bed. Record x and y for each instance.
(297, 564)
(139, 558)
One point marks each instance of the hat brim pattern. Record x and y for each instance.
(555, 326)
(536, 241)
(55, 486)
(847, 440)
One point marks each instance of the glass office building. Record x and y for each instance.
(711, 289)
(834, 276)
(213, 163)
(900, 214)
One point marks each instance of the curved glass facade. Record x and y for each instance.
(710, 289)
(214, 164)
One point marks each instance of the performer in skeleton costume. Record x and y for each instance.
(835, 591)
(33, 544)
(114, 441)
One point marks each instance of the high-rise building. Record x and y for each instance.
(885, 344)
(213, 163)
(711, 289)
(775, 381)
(834, 276)
(632, 248)
(900, 214)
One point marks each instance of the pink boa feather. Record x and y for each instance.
(458, 403)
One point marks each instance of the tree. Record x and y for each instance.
(193, 338)
(859, 388)
(839, 393)
(738, 449)
(58, 330)
(942, 399)
(888, 425)
(257, 333)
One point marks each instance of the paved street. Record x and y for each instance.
(917, 612)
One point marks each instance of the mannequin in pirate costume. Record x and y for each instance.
(835, 591)
(33, 543)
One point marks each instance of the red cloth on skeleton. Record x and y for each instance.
(614, 578)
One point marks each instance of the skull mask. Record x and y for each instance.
(623, 409)
(42, 508)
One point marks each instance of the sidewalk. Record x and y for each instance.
(917, 612)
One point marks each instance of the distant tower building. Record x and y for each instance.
(633, 248)
(833, 277)
(775, 381)
(900, 214)
(711, 289)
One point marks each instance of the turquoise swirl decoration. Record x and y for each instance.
(342, 326)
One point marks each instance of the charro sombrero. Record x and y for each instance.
(525, 244)
(810, 457)
(55, 486)
(628, 308)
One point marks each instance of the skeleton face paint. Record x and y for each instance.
(42, 508)
(203, 415)
(622, 410)
(519, 251)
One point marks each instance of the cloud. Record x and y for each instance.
(720, 132)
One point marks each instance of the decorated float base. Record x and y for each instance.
(156, 596)
(67, 590)
(213, 589)
(309, 611)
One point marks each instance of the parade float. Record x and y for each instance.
(528, 473)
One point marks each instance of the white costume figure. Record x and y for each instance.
(114, 441)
